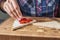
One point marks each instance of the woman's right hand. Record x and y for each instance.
(12, 8)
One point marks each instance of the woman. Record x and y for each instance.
(38, 8)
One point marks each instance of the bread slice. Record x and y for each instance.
(17, 24)
(51, 24)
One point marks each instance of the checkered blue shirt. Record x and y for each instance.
(38, 7)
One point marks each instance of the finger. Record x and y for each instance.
(15, 10)
(18, 12)
(12, 11)
(12, 8)
(16, 7)
(9, 12)
(5, 7)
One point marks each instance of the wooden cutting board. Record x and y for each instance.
(30, 30)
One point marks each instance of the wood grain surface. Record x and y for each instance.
(30, 30)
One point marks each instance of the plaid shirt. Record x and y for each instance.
(38, 7)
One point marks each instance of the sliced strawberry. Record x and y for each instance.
(25, 20)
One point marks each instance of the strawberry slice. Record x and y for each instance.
(25, 20)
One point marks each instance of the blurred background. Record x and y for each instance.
(3, 16)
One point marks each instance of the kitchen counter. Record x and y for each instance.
(29, 31)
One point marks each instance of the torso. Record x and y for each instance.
(38, 7)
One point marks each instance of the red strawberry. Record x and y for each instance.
(25, 20)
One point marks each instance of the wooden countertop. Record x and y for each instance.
(31, 31)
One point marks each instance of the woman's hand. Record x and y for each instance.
(12, 8)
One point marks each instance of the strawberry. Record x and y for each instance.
(25, 20)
